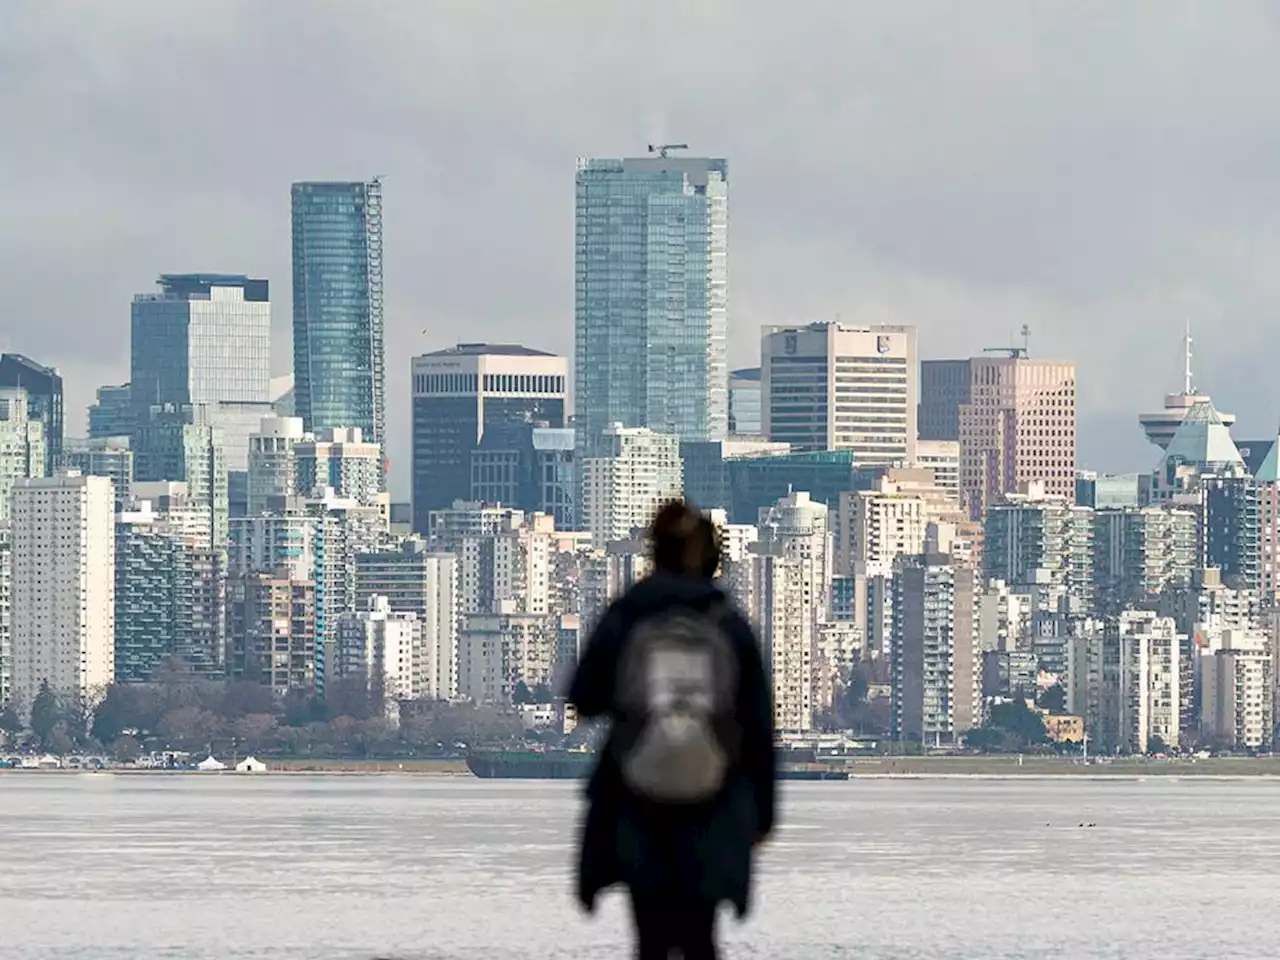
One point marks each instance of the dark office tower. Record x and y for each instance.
(44, 399)
(474, 394)
(945, 386)
(112, 415)
(338, 363)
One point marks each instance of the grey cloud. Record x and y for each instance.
(1099, 171)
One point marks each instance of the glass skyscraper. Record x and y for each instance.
(44, 399)
(204, 339)
(651, 297)
(338, 364)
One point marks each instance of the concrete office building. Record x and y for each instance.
(825, 386)
(471, 396)
(22, 444)
(44, 401)
(651, 297)
(638, 470)
(63, 601)
(339, 363)
(1015, 421)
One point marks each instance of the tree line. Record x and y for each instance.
(179, 710)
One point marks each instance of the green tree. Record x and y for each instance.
(1054, 699)
(45, 714)
(522, 695)
(126, 749)
(542, 694)
(1156, 745)
(10, 721)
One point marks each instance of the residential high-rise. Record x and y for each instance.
(273, 461)
(108, 456)
(638, 470)
(63, 602)
(339, 367)
(385, 647)
(273, 631)
(22, 443)
(44, 401)
(153, 595)
(1141, 678)
(935, 650)
(1035, 539)
(826, 386)
(204, 339)
(471, 395)
(651, 297)
(1142, 555)
(186, 445)
(343, 461)
(498, 651)
(112, 415)
(1237, 679)
(1019, 426)
(414, 580)
(1267, 478)
(6, 612)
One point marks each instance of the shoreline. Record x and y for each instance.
(861, 768)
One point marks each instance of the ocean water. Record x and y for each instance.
(422, 868)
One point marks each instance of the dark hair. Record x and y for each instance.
(684, 541)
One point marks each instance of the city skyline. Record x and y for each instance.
(919, 214)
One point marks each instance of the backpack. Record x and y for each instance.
(676, 693)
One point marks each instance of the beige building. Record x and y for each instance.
(1016, 423)
(826, 386)
(1237, 676)
(623, 489)
(63, 585)
(500, 650)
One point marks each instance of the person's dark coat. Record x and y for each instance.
(700, 851)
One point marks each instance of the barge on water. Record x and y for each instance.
(576, 764)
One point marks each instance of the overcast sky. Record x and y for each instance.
(1101, 171)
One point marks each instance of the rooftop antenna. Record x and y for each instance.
(661, 149)
(1026, 341)
(1187, 385)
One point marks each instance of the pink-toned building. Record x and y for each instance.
(1018, 426)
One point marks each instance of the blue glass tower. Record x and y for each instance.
(651, 296)
(338, 364)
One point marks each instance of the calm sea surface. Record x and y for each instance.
(97, 866)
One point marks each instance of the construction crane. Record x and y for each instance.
(662, 148)
(1018, 353)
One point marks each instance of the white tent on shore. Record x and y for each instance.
(251, 765)
(209, 764)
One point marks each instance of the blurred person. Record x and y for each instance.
(684, 787)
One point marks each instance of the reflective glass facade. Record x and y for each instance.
(651, 297)
(338, 362)
(44, 399)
